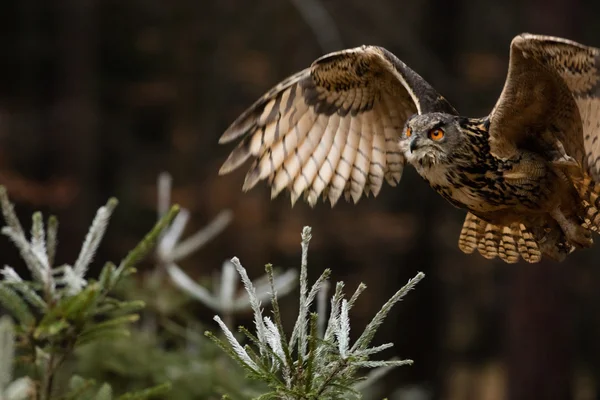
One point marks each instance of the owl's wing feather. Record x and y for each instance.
(333, 128)
(550, 101)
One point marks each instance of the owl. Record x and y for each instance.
(528, 174)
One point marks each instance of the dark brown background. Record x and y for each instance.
(98, 96)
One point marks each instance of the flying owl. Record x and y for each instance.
(528, 173)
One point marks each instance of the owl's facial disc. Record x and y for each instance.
(428, 138)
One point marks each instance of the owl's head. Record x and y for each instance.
(431, 139)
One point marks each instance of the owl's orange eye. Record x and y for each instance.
(408, 132)
(436, 134)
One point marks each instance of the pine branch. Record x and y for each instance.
(61, 308)
(325, 367)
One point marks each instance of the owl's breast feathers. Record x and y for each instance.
(474, 179)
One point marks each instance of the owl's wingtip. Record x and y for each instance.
(223, 170)
(233, 132)
(252, 178)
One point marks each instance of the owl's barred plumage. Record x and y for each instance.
(507, 242)
(528, 173)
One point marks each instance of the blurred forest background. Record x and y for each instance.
(97, 97)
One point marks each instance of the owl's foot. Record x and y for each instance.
(575, 233)
(552, 241)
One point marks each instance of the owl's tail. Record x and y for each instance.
(507, 242)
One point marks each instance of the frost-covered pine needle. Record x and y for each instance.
(33, 262)
(300, 327)
(187, 284)
(378, 364)
(361, 288)
(334, 313)
(343, 333)
(35, 259)
(254, 301)
(235, 345)
(10, 275)
(8, 211)
(12, 278)
(203, 236)
(373, 350)
(72, 281)
(38, 240)
(366, 337)
(274, 339)
(171, 236)
(316, 288)
(93, 238)
(51, 239)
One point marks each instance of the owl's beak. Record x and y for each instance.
(414, 144)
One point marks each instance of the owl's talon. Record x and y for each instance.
(580, 237)
(576, 234)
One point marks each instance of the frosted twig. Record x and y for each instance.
(14, 280)
(203, 236)
(274, 340)
(8, 210)
(235, 345)
(36, 266)
(374, 350)
(171, 236)
(377, 364)
(185, 283)
(10, 275)
(254, 301)
(366, 337)
(343, 332)
(38, 239)
(51, 239)
(300, 327)
(334, 313)
(93, 238)
(74, 283)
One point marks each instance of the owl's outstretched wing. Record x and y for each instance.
(552, 92)
(332, 128)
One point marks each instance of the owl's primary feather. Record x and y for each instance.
(529, 173)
